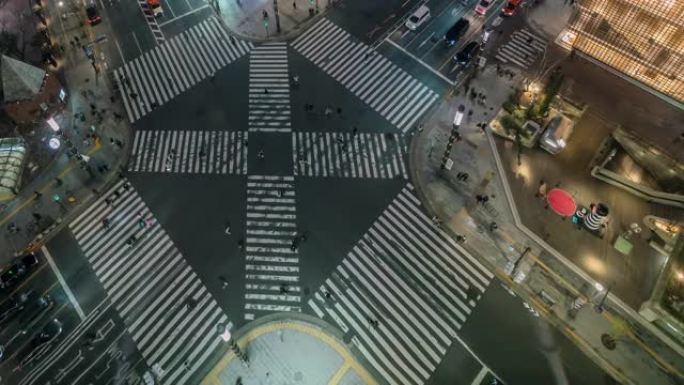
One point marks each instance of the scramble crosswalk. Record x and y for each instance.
(402, 292)
(168, 312)
(382, 85)
(523, 48)
(269, 89)
(349, 155)
(272, 260)
(198, 152)
(164, 72)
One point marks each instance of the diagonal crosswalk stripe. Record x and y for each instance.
(197, 152)
(403, 292)
(269, 89)
(168, 312)
(523, 49)
(349, 155)
(164, 72)
(272, 260)
(386, 88)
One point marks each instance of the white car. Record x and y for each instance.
(483, 7)
(420, 16)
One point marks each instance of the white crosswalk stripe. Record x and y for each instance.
(272, 260)
(269, 89)
(386, 88)
(151, 21)
(164, 72)
(403, 292)
(197, 152)
(523, 48)
(348, 155)
(167, 310)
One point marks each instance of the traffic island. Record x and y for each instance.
(277, 350)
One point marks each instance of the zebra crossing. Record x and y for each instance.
(402, 292)
(272, 260)
(168, 312)
(388, 89)
(198, 152)
(164, 72)
(349, 155)
(151, 20)
(269, 89)
(523, 48)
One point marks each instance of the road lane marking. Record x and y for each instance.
(451, 83)
(341, 371)
(184, 15)
(480, 376)
(65, 287)
(426, 40)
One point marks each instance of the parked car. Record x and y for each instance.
(456, 32)
(40, 343)
(420, 16)
(510, 7)
(16, 271)
(13, 306)
(557, 134)
(93, 13)
(155, 8)
(483, 6)
(35, 310)
(467, 53)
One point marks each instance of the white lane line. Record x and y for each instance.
(451, 83)
(137, 43)
(480, 376)
(62, 282)
(183, 15)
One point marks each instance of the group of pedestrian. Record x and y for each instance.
(482, 199)
(462, 176)
(298, 238)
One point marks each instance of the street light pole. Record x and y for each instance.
(454, 135)
(277, 16)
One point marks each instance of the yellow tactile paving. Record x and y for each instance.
(348, 360)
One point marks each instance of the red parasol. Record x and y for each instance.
(561, 202)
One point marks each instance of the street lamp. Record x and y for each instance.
(458, 118)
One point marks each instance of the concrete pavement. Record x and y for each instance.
(91, 124)
(549, 286)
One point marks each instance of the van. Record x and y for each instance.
(456, 32)
(421, 15)
(557, 133)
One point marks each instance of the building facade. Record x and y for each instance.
(643, 39)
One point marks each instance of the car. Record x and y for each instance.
(467, 53)
(510, 7)
(16, 271)
(420, 16)
(93, 14)
(35, 310)
(456, 32)
(40, 343)
(155, 8)
(483, 6)
(13, 306)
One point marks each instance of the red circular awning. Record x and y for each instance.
(561, 202)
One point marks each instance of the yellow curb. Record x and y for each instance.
(348, 363)
(337, 377)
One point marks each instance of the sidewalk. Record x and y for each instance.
(548, 285)
(288, 351)
(40, 216)
(245, 18)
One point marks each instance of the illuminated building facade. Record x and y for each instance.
(644, 39)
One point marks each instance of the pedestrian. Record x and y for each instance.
(541, 190)
(293, 246)
(106, 223)
(283, 288)
(493, 226)
(294, 5)
(127, 186)
(328, 111)
(241, 244)
(224, 282)
(355, 131)
(266, 91)
(37, 194)
(37, 216)
(59, 182)
(190, 304)
(264, 13)
(304, 236)
(228, 229)
(261, 154)
(339, 111)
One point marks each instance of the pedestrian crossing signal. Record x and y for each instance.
(56, 198)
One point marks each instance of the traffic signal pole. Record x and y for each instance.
(454, 135)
